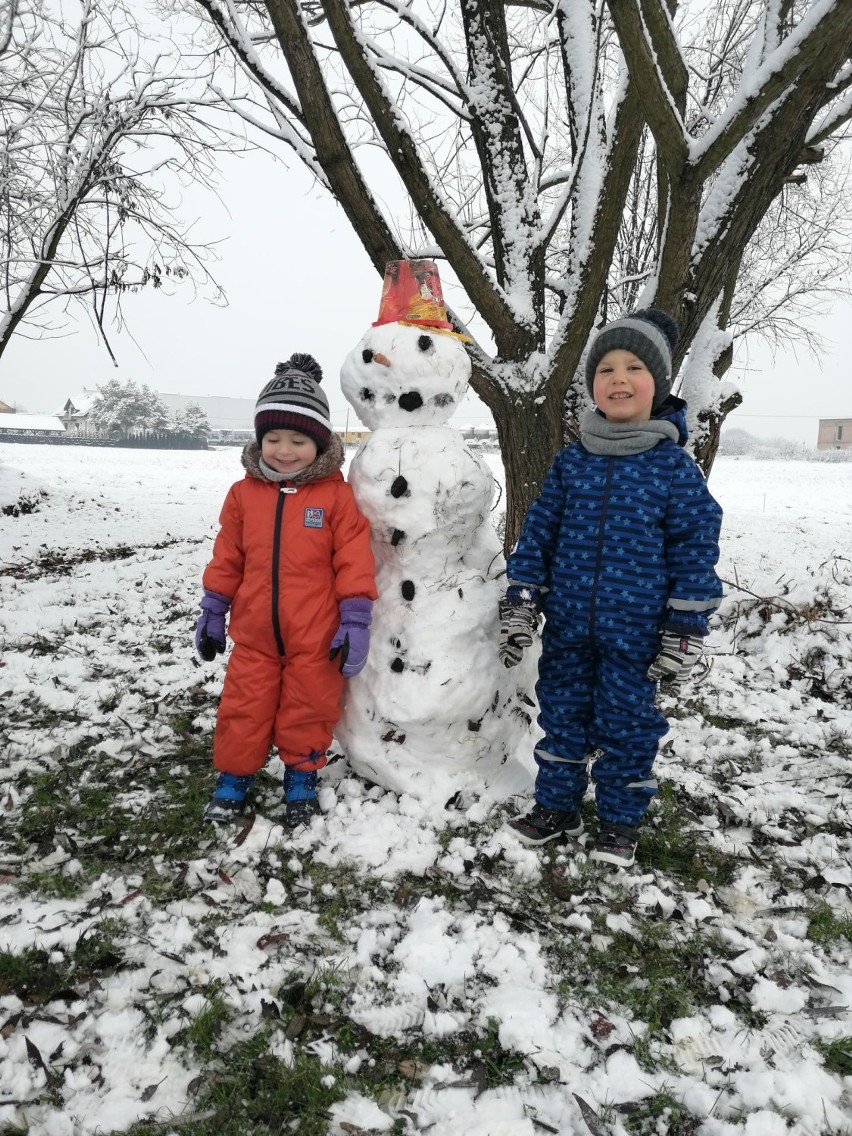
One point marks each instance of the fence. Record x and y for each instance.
(143, 442)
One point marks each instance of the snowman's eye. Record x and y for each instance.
(424, 342)
(367, 355)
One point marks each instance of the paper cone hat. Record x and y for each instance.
(411, 293)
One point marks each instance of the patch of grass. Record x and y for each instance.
(653, 975)
(59, 563)
(97, 950)
(656, 978)
(162, 644)
(837, 1055)
(667, 843)
(53, 885)
(826, 927)
(492, 1064)
(202, 1033)
(251, 1090)
(37, 714)
(35, 979)
(477, 1057)
(109, 701)
(661, 1113)
(339, 893)
(76, 805)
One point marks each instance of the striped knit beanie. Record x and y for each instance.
(293, 400)
(651, 335)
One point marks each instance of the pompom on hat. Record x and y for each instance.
(650, 334)
(293, 400)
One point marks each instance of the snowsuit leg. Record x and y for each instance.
(309, 709)
(565, 691)
(293, 702)
(627, 727)
(247, 709)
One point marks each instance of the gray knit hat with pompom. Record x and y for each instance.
(651, 335)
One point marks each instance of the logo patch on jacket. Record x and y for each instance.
(314, 518)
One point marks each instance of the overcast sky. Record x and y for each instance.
(298, 280)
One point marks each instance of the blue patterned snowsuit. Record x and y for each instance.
(619, 548)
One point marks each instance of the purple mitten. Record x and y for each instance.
(352, 638)
(210, 629)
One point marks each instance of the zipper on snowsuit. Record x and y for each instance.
(604, 509)
(276, 555)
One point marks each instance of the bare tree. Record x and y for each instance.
(566, 159)
(96, 121)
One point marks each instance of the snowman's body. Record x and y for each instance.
(433, 712)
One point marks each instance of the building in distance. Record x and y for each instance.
(834, 434)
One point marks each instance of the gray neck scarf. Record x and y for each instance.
(619, 439)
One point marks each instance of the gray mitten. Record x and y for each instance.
(678, 655)
(518, 624)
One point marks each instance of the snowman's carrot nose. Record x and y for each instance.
(383, 359)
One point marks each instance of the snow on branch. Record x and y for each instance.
(402, 150)
(224, 17)
(826, 23)
(656, 66)
(830, 123)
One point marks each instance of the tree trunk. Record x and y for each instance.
(706, 447)
(529, 427)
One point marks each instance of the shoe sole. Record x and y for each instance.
(598, 857)
(537, 841)
(302, 821)
(221, 816)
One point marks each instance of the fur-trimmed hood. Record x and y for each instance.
(328, 462)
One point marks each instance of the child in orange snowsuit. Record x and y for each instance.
(292, 563)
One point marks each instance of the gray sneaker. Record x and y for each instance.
(540, 825)
(615, 844)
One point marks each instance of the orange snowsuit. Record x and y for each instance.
(285, 555)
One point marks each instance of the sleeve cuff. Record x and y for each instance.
(523, 593)
(686, 622)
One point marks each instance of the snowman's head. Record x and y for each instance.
(403, 375)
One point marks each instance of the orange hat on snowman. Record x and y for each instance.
(411, 294)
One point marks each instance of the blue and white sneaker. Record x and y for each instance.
(229, 797)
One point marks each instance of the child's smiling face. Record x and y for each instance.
(623, 387)
(287, 451)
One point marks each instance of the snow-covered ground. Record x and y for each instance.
(454, 933)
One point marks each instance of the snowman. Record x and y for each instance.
(434, 713)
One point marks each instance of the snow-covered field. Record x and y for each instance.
(456, 981)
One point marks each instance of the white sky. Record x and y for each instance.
(298, 280)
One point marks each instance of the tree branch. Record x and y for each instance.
(402, 151)
(591, 272)
(512, 202)
(653, 65)
(775, 152)
(333, 152)
(804, 52)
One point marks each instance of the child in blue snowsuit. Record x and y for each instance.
(619, 553)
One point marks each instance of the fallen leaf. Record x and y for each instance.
(272, 940)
